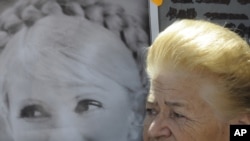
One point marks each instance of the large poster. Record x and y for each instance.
(234, 14)
(72, 70)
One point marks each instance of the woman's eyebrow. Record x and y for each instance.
(152, 103)
(175, 104)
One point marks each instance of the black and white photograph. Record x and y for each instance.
(73, 70)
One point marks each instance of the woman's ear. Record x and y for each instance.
(241, 120)
(245, 119)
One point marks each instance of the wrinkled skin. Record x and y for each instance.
(177, 110)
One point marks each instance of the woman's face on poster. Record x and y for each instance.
(78, 103)
(95, 111)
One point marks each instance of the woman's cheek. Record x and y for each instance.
(32, 136)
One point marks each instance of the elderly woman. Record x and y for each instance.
(200, 82)
(69, 71)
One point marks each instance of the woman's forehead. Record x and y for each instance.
(67, 30)
(76, 34)
(25, 89)
(183, 81)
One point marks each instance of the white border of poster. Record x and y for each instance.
(154, 20)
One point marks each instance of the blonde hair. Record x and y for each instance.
(206, 48)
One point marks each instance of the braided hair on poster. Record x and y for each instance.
(113, 17)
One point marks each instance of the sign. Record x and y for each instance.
(234, 14)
